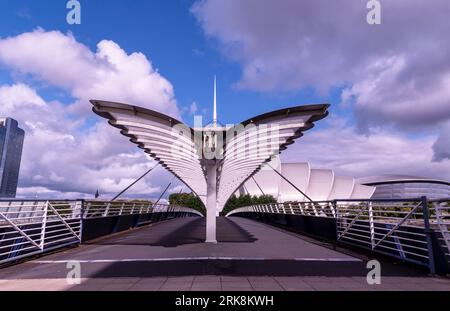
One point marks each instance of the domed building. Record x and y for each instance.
(316, 184)
(403, 187)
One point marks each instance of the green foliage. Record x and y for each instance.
(246, 200)
(187, 200)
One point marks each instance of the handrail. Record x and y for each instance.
(32, 227)
(400, 228)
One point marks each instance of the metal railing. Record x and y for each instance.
(398, 228)
(30, 228)
(318, 209)
(440, 218)
(95, 209)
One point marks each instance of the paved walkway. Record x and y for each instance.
(172, 256)
(227, 283)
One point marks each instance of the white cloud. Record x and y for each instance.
(342, 148)
(398, 72)
(109, 73)
(442, 145)
(62, 159)
(65, 156)
(193, 108)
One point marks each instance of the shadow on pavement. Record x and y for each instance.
(174, 234)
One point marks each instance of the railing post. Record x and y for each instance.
(44, 226)
(333, 209)
(371, 224)
(108, 205)
(336, 216)
(300, 207)
(85, 209)
(82, 202)
(314, 209)
(292, 210)
(426, 220)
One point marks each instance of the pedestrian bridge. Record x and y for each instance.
(134, 241)
(177, 248)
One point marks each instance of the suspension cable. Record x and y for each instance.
(260, 189)
(288, 181)
(163, 193)
(134, 183)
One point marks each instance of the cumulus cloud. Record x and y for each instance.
(193, 108)
(62, 159)
(442, 145)
(109, 73)
(395, 74)
(341, 147)
(64, 155)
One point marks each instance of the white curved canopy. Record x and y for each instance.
(246, 147)
(318, 184)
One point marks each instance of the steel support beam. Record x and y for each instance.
(211, 200)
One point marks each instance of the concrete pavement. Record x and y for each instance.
(227, 283)
(249, 256)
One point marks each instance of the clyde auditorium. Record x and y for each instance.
(402, 187)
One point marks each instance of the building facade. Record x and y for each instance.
(11, 144)
(403, 187)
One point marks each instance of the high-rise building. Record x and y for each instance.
(11, 143)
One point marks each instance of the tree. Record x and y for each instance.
(246, 200)
(187, 200)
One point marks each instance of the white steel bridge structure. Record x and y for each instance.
(212, 161)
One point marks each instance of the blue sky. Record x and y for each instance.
(388, 84)
(169, 34)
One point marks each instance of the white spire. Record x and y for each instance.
(215, 102)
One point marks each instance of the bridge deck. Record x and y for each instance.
(175, 249)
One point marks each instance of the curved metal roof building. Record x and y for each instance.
(403, 186)
(213, 161)
(316, 184)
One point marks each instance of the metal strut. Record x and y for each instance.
(288, 181)
(260, 189)
(135, 182)
(162, 194)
